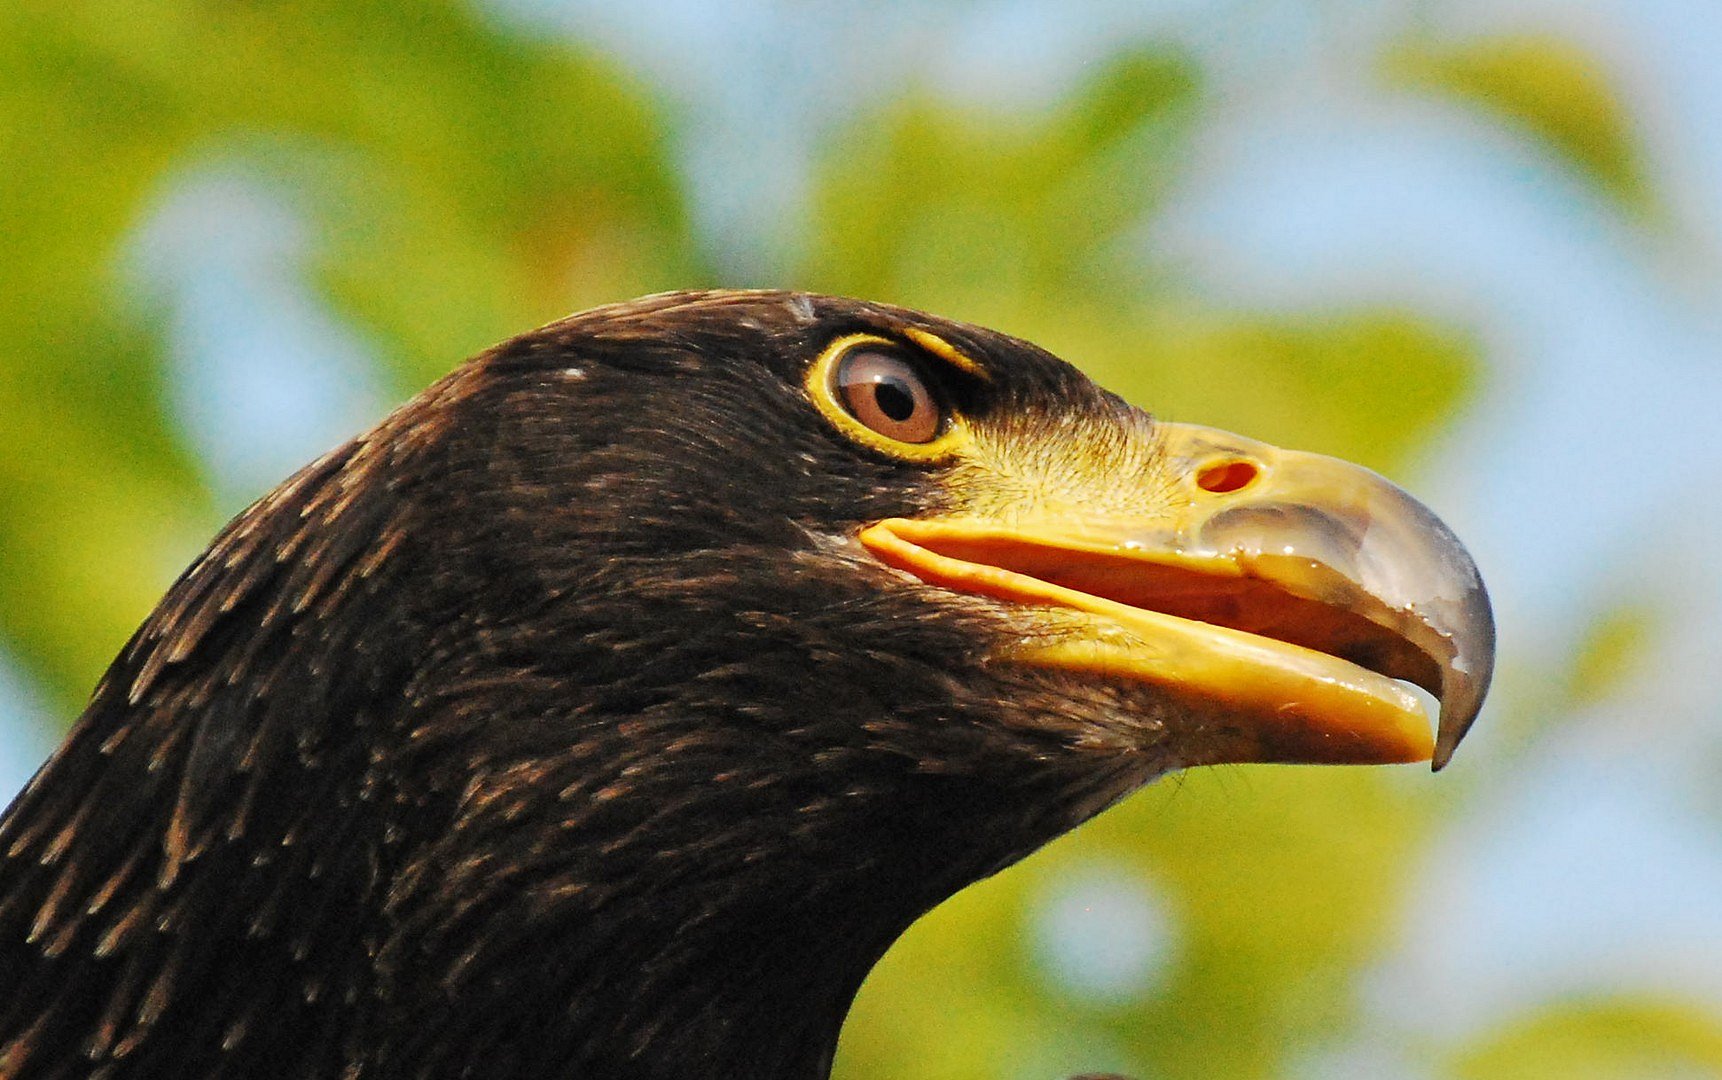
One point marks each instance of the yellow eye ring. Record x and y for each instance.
(828, 397)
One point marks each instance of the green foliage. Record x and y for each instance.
(982, 215)
(1615, 647)
(1282, 882)
(1549, 88)
(1611, 1039)
(1033, 227)
(465, 183)
(1368, 385)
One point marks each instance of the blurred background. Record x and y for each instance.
(1475, 244)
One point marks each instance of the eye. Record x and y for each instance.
(889, 395)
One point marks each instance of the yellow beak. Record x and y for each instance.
(1281, 596)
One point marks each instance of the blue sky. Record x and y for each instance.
(1581, 475)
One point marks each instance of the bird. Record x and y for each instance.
(609, 708)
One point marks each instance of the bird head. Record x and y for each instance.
(614, 704)
(993, 547)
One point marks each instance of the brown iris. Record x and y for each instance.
(890, 395)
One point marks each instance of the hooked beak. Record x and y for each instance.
(1284, 591)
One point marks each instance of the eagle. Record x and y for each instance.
(608, 709)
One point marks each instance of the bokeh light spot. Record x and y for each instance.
(1103, 934)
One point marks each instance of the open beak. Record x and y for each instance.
(1281, 591)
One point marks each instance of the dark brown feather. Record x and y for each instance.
(556, 727)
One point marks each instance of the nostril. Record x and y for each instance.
(1227, 476)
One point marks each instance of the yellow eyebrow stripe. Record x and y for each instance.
(947, 352)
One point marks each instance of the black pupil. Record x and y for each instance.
(894, 399)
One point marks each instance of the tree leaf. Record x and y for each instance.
(1609, 1039)
(1547, 87)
